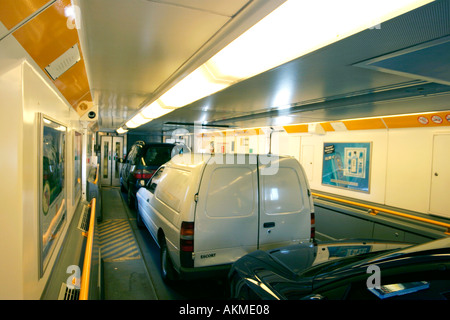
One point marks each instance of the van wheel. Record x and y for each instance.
(168, 273)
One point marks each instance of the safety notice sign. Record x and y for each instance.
(347, 165)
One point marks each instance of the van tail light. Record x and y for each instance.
(187, 236)
(313, 226)
(143, 174)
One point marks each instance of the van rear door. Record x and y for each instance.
(226, 221)
(285, 210)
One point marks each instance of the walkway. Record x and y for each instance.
(125, 274)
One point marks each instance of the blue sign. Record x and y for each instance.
(347, 165)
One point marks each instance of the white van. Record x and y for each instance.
(206, 211)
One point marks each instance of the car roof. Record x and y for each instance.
(145, 146)
(159, 144)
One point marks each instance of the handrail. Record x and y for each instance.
(86, 273)
(375, 210)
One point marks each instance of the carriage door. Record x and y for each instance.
(440, 176)
(111, 152)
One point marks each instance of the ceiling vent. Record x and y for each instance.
(67, 60)
(428, 61)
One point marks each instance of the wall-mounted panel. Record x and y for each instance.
(408, 168)
(440, 176)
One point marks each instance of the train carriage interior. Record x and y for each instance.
(101, 98)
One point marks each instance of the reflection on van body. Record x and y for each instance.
(207, 211)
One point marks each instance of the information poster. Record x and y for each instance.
(347, 165)
(52, 193)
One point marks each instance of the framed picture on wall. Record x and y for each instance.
(347, 165)
(52, 192)
(77, 141)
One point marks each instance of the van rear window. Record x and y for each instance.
(282, 192)
(231, 193)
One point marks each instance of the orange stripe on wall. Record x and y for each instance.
(327, 126)
(364, 124)
(436, 119)
(298, 128)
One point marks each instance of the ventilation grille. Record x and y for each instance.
(63, 62)
(83, 223)
(427, 61)
(65, 293)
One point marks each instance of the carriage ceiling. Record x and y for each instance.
(132, 51)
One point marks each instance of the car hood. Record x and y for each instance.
(298, 258)
(274, 274)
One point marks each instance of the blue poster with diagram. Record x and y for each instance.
(347, 165)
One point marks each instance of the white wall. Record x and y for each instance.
(401, 163)
(25, 91)
(11, 237)
(409, 165)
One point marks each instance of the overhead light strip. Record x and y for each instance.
(292, 30)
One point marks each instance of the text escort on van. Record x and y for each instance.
(206, 211)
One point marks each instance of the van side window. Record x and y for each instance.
(282, 192)
(231, 193)
(173, 187)
(152, 184)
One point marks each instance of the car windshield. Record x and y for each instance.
(157, 155)
(340, 263)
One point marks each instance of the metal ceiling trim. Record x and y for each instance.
(424, 89)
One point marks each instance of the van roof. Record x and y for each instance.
(189, 160)
(192, 160)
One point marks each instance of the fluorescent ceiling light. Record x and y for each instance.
(300, 27)
(121, 130)
(200, 83)
(292, 30)
(137, 121)
(155, 110)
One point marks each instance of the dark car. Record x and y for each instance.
(141, 162)
(344, 271)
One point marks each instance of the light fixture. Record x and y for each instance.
(137, 121)
(200, 83)
(294, 29)
(299, 27)
(155, 110)
(121, 130)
